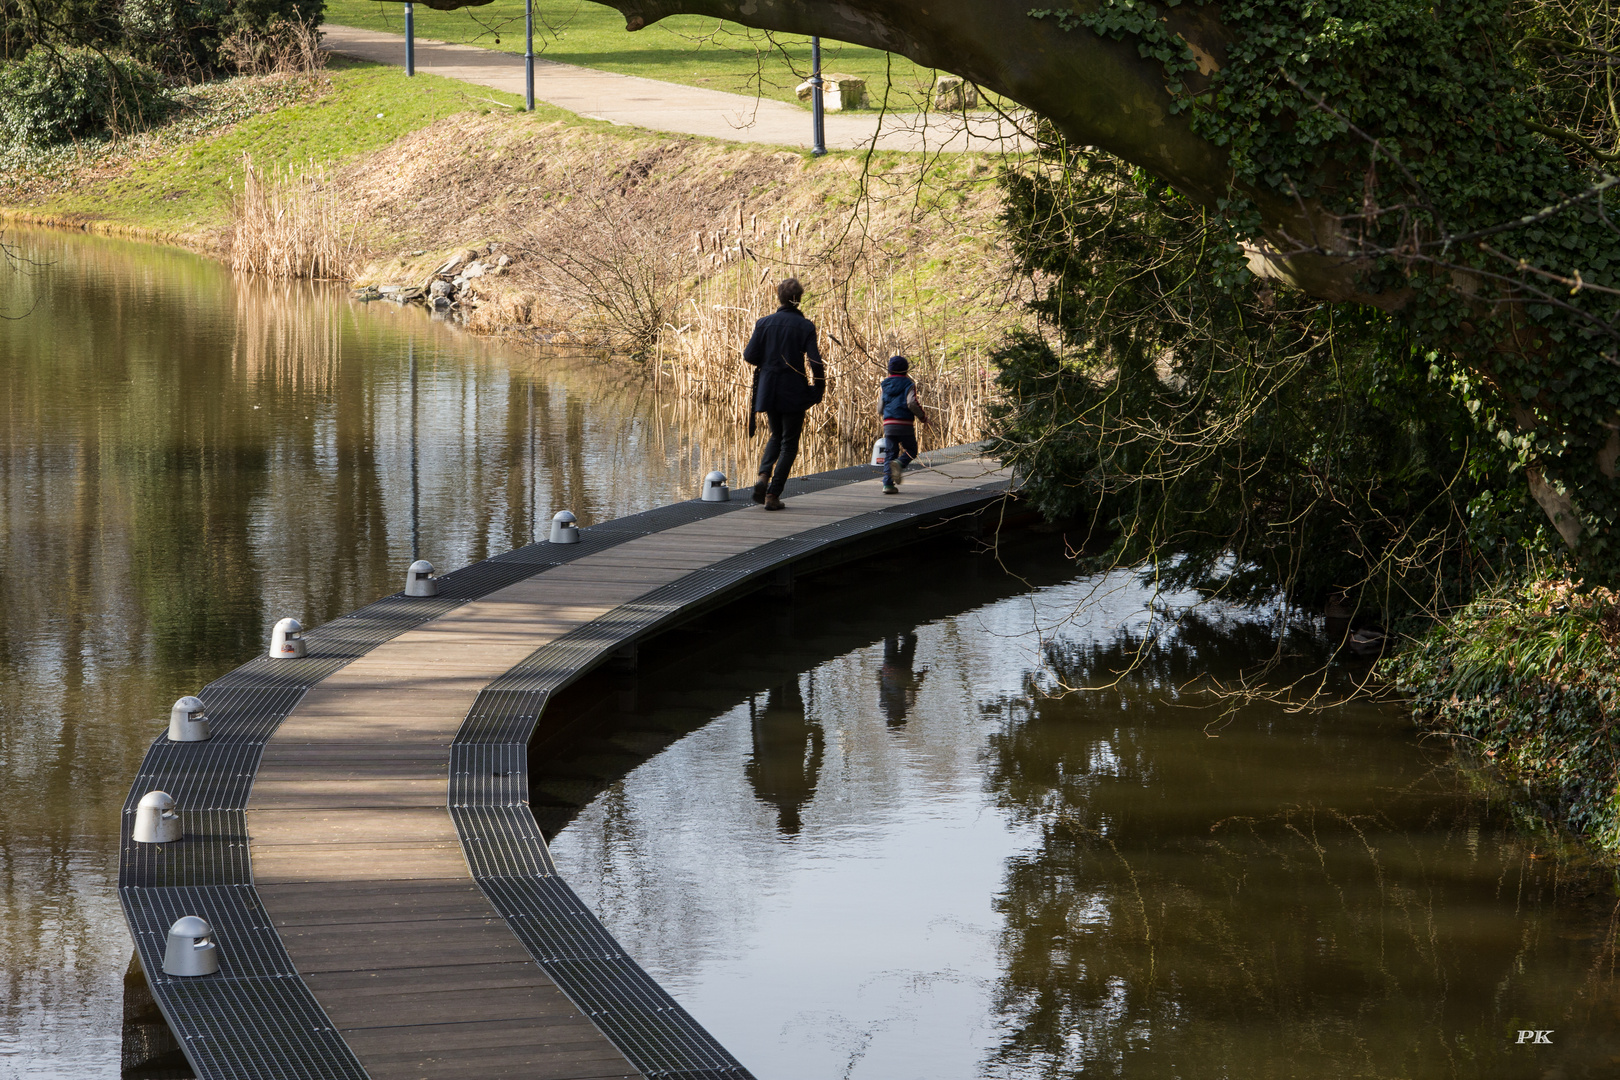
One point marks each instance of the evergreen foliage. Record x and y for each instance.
(1529, 678)
(180, 38)
(1230, 435)
(58, 95)
(1464, 155)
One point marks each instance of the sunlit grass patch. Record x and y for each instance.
(687, 49)
(364, 107)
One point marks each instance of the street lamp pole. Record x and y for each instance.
(528, 55)
(818, 121)
(410, 38)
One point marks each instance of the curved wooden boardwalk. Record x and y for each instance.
(391, 911)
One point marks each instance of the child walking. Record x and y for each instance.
(901, 410)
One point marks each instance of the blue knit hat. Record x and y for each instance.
(898, 365)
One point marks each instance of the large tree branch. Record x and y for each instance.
(1097, 91)
(1105, 93)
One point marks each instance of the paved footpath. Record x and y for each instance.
(688, 110)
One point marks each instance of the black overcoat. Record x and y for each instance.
(788, 376)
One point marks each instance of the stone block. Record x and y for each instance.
(954, 94)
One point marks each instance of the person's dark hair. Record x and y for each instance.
(789, 292)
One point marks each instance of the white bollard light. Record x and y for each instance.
(877, 452)
(187, 722)
(191, 949)
(419, 580)
(156, 819)
(715, 489)
(287, 640)
(564, 528)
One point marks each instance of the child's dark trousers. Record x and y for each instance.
(899, 441)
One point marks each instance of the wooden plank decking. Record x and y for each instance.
(354, 852)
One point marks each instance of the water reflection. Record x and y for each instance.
(898, 681)
(186, 457)
(1303, 895)
(787, 754)
(1128, 882)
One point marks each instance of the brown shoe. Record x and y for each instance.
(773, 503)
(759, 488)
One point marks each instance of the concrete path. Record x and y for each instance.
(688, 110)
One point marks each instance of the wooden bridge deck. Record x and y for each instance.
(410, 895)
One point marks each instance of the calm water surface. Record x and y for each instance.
(853, 833)
(871, 843)
(186, 457)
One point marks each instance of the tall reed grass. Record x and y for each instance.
(865, 304)
(291, 226)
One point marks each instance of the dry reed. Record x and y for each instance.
(599, 251)
(291, 226)
(858, 297)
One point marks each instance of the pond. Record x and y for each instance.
(185, 457)
(872, 836)
(857, 834)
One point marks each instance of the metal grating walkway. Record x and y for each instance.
(503, 843)
(260, 1017)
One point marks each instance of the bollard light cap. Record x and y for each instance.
(157, 800)
(190, 926)
(290, 626)
(564, 516)
(421, 566)
(716, 477)
(188, 704)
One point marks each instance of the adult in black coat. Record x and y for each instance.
(788, 379)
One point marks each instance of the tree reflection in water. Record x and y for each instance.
(1296, 896)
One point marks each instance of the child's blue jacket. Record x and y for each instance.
(895, 389)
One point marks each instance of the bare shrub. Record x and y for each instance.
(605, 252)
(283, 47)
(291, 226)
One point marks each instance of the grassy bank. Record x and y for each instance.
(177, 179)
(664, 248)
(686, 49)
(1527, 685)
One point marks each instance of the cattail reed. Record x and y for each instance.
(290, 226)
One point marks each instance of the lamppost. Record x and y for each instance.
(818, 117)
(528, 55)
(410, 38)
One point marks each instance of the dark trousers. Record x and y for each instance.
(899, 441)
(783, 447)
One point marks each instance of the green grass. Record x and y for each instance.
(368, 107)
(686, 49)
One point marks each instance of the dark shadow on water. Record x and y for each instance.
(787, 753)
(755, 651)
(898, 680)
(1273, 893)
(1210, 895)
